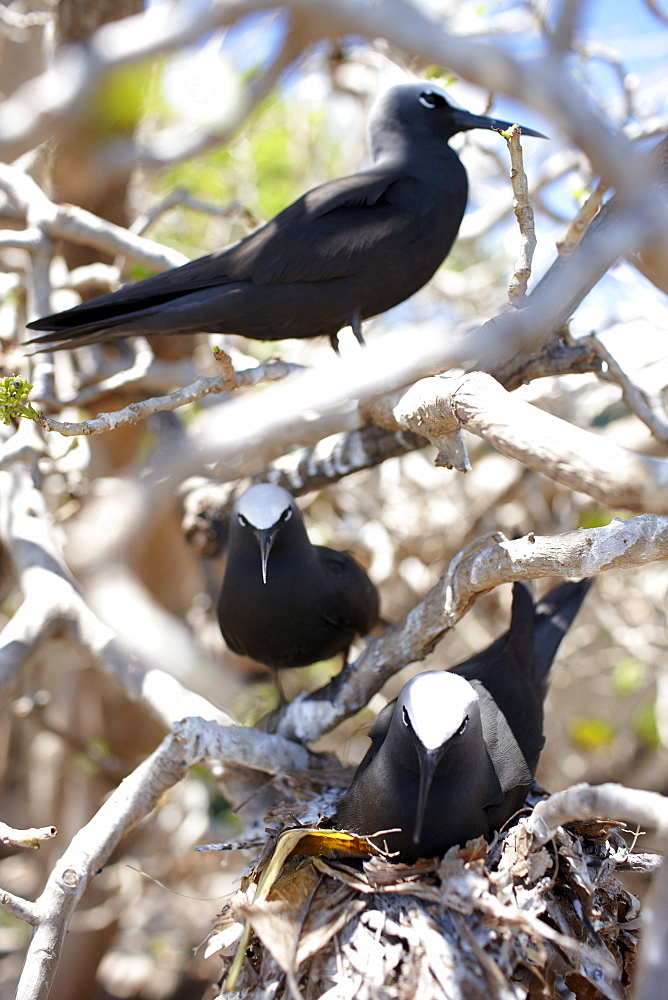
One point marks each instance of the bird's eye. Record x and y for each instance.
(406, 717)
(430, 99)
(242, 520)
(287, 514)
(463, 725)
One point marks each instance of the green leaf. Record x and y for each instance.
(590, 733)
(121, 97)
(644, 725)
(13, 391)
(628, 675)
(594, 516)
(442, 76)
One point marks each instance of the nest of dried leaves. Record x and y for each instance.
(497, 922)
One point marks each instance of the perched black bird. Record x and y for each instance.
(346, 250)
(285, 602)
(453, 757)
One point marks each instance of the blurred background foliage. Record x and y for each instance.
(71, 735)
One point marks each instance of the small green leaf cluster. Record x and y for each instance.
(13, 391)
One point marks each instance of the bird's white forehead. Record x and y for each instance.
(437, 703)
(263, 504)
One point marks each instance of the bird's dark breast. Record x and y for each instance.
(384, 803)
(279, 623)
(403, 270)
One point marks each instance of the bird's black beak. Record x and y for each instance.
(428, 760)
(465, 121)
(265, 538)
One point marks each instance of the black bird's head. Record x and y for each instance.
(267, 516)
(439, 713)
(410, 114)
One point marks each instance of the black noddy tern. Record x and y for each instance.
(284, 601)
(345, 251)
(454, 756)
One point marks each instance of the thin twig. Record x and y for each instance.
(576, 230)
(31, 837)
(179, 197)
(524, 214)
(637, 400)
(132, 414)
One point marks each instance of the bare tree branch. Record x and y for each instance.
(583, 802)
(651, 411)
(179, 197)
(54, 604)
(76, 224)
(524, 215)
(578, 226)
(206, 504)
(486, 563)
(19, 908)
(562, 35)
(653, 5)
(272, 371)
(25, 838)
(90, 848)
(571, 456)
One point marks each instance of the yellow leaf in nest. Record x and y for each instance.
(304, 841)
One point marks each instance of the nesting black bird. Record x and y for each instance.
(347, 250)
(285, 602)
(453, 757)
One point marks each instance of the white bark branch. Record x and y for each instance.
(609, 801)
(190, 741)
(22, 909)
(53, 603)
(522, 207)
(272, 371)
(69, 222)
(32, 837)
(571, 456)
(90, 848)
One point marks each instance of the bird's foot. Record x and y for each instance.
(356, 327)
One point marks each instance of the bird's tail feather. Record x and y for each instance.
(554, 615)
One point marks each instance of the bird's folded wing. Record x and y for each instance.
(352, 598)
(328, 233)
(509, 762)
